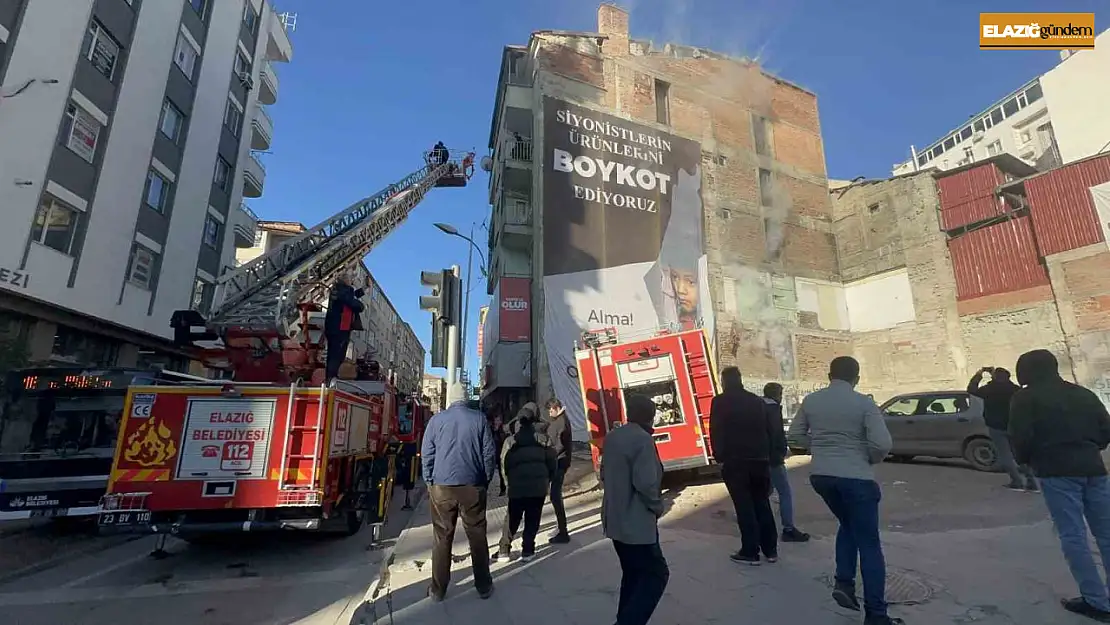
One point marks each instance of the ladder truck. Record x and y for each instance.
(275, 447)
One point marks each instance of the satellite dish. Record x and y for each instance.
(487, 164)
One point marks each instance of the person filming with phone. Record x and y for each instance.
(996, 396)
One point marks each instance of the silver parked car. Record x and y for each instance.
(941, 424)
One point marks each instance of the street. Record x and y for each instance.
(960, 549)
(244, 580)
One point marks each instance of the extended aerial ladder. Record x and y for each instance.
(263, 311)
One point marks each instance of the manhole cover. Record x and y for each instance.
(902, 588)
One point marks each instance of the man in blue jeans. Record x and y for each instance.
(780, 479)
(1060, 429)
(846, 435)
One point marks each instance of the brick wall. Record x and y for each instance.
(886, 225)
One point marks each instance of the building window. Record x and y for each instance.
(211, 232)
(969, 154)
(258, 237)
(185, 56)
(994, 148)
(81, 132)
(141, 270)
(949, 143)
(922, 159)
(1010, 107)
(1024, 137)
(662, 103)
(172, 121)
(84, 348)
(965, 134)
(766, 194)
(1034, 93)
(996, 116)
(102, 50)
(242, 64)
(55, 224)
(233, 116)
(250, 19)
(202, 294)
(201, 7)
(222, 173)
(157, 191)
(760, 131)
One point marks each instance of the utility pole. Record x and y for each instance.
(466, 299)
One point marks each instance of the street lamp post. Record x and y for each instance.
(453, 231)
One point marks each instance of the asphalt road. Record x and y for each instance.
(311, 580)
(279, 579)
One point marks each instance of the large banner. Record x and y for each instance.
(622, 228)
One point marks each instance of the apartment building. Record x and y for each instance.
(1056, 118)
(129, 135)
(387, 339)
(690, 190)
(435, 390)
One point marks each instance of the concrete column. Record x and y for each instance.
(128, 355)
(40, 341)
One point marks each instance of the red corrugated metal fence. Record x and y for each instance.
(1064, 215)
(968, 196)
(996, 259)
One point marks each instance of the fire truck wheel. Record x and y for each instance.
(355, 519)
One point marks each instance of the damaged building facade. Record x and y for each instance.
(980, 263)
(788, 270)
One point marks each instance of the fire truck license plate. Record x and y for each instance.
(126, 517)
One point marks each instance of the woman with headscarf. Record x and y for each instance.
(528, 464)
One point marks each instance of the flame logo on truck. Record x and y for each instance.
(150, 445)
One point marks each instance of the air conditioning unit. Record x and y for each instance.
(978, 136)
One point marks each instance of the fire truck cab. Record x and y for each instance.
(672, 368)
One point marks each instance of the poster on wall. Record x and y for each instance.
(623, 245)
(515, 301)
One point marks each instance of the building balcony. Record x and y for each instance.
(268, 84)
(254, 177)
(515, 222)
(245, 226)
(262, 129)
(278, 46)
(517, 151)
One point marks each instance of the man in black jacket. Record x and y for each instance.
(344, 306)
(996, 396)
(742, 436)
(559, 432)
(1060, 429)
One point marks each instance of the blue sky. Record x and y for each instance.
(373, 84)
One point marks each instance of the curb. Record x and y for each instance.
(379, 588)
(375, 590)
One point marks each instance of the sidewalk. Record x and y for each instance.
(1007, 576)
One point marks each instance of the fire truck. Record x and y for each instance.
(674, 369)
(275, 447)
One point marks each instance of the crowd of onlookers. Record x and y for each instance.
(1045, 429)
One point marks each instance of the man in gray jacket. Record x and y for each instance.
(845, 433)
(630, 511)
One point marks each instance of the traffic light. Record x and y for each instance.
(444, 300)
(444, 304)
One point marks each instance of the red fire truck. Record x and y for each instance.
(672, 368)
(276, 447)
